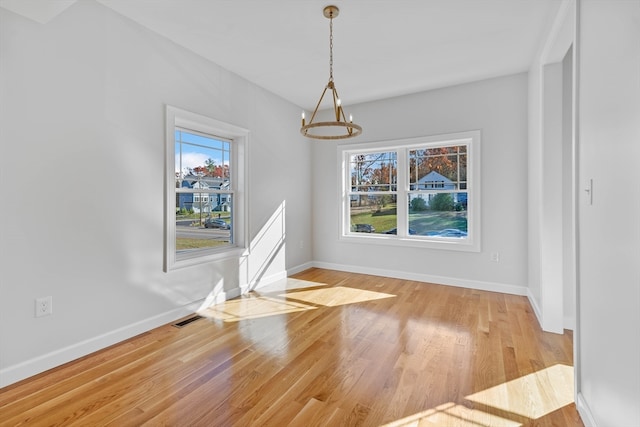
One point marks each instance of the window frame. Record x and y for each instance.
(472, 243)
(239, 137)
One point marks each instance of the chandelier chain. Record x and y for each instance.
(338, 127)
(331, 49)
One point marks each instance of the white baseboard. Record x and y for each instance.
(585, 412)
(28, 368)
(266, 281)
(278, 277)
(226, 296)
(440, 280)
(569, 323)
(31, 367)
(299, 268)
(536, 307)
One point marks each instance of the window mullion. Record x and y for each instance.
(402, 206)
(447, 209)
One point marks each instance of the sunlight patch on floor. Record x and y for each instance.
(252, 308)
(288, 284)
(255, 305)
(533, 395)
(453, 415)
(334, 296)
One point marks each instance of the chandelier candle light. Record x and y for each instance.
(340, 128)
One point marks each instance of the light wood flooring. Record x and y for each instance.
(344, 350)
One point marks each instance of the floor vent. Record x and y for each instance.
(185, 322)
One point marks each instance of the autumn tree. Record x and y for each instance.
(373, 172)
(210, 164)
(210, 169)
(369, 171)
(200, 171)
(450, 162)
(383, 175)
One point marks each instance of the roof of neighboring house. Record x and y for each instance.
(434, 176)
(194, 181)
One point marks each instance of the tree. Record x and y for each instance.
(418, 204)
(441, 202)
(210, 164)
(384, 174)
(450, 162)
(200, 171)
(366, 173)
(209, 169)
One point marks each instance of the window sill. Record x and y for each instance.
(189, 260)
(451, 244)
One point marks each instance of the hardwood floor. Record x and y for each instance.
(350, 350)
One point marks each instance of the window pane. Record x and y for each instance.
(203, 218)
(373, 214)
(430, 191)
(438, 214)
(197, 230)
(438, 168)
(201, 156)
(373, 172)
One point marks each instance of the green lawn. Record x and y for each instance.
(186, 243)
(381, 221)
(421, 222)
(435, 221)
(183, 243)
(196, 216)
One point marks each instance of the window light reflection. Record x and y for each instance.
(533, 395)
(338, 295)
(254, 306)
(451, 414)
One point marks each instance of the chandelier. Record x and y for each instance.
(340, 128)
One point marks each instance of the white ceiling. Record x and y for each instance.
(382, 48)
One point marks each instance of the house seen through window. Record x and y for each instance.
(421, 192)
(205, 177)
(204, 213)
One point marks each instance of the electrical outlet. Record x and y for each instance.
(44, 306)
(495, 256)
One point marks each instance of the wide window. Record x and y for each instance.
(418, 192)
(205, 189)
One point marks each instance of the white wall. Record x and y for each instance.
(551, 221)
(568, 193)
(546, 170)
(534, 185)
(608, 368)
(497, 107)
(82, 103)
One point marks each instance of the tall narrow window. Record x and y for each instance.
(205, 177)
(204, 212)
(373, 191)
(438, 198)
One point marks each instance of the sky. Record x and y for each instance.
(196, 149)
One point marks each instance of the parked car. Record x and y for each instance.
(395, 231)
(364, 228)
(448, 232)
(216, 223)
